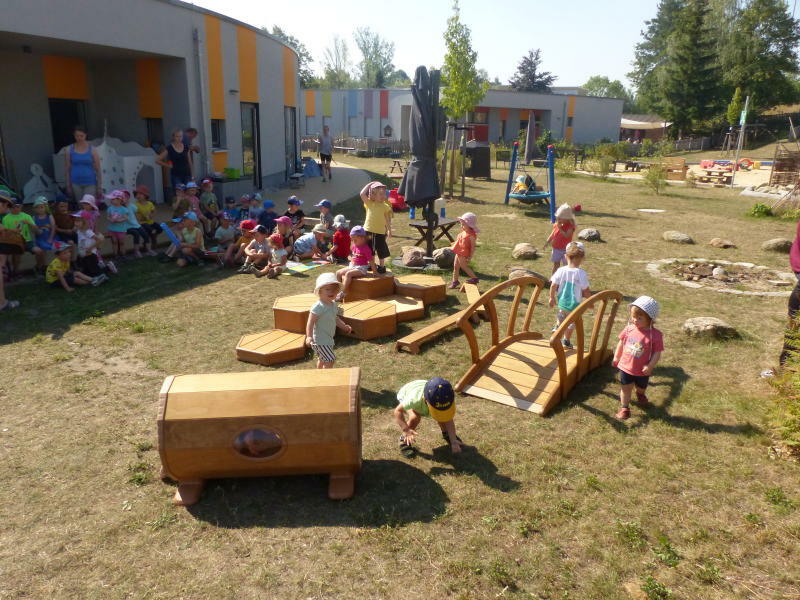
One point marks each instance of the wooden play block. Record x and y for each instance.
(428, 288)
(271, 347)
(370, 287)
(406, 308)
(291, 312)
(370, 318)
(260, 424)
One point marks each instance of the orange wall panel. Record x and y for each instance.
(248, 64)
(289, 78)
(216, 84)
(148, 88)
(65, 77)
(219, 160)
(503, 114)
(311, 103)
(570, 114)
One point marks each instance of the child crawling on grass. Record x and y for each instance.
(426, 398)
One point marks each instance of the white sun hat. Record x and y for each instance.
(326, 279)
(648, 305)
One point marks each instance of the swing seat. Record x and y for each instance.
(531, 197)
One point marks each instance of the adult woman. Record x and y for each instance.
(83, 172)
(5, 249)
(175, 156)
(325, 142)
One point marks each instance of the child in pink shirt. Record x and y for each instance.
(563, 230)
(361, 260)
(637, 353)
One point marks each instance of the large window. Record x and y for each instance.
(251, 145)
(155, 133)
(218, 133)
(479, 118)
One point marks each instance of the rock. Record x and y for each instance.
(413, 256)
(444, 257)
(709, 327)
(525, 251)
(703, 270)
(523, 272)
(676, 237)
(777, 245)
(589, 235)
(779, 282)
(719, 273)
(721, 243)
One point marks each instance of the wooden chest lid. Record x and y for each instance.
(284, 392)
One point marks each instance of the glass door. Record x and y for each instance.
(64, 116)
(251, 143)
(290, 125)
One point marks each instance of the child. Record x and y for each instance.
(323, 320)
(193, 196)
(283, 225)
(139, 235)
(308, 244)
(278, 257)
(59, 275)
(268, 215)
(256, 252)
(464, 248)
(230, 208)
(378, 221)
(144, 214)
(225, 233)
(255, 207)
(235, 251)
(47, 229)
(297, 216)
(325, 217)
(244, 207)
(191, 236)
(64, 223)
(180, 205)
(569, 286)
(637, 353)
(89, 261)
(90, 211)
(209, 205)
(340, 249)
(23, 223)
(420, 398)
(117, 216)
(361, 260)
(563, 230)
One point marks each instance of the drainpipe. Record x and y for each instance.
(205, 123)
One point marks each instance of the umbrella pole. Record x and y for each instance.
(464, 154)
(443, 174)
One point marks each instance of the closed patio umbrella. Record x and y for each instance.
(420, 184)
(532, 151)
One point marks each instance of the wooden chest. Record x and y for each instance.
(260, 424)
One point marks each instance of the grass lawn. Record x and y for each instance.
(683, 499)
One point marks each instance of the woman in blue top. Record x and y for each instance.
(83, 172)
(175, 156)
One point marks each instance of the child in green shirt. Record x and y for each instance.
(432, 398)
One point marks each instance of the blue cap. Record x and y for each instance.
(189, 215)
(228, 216)
(180, 186)
(257, 196)
(325, 203)
(230, 199)
(268, 204)
(440, 398)
(191, 185)
(295, 200)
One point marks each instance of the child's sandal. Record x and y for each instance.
(642, 400)
(454, 285)
(473, 280)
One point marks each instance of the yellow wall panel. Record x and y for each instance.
(311, 103)
(216, 84)
(65, 77)
(148, 88)
(248, 64)
(219, 160)
(570, 115)
(289, 78)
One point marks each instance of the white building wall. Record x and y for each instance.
(596, 119)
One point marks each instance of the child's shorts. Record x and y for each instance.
(118, 235)
(29, 246)
(190, 258)
(562, 314)
(363, 268)
(557, 256)
(325, 353)
(379, 246)
(640, 381)
(68, 277)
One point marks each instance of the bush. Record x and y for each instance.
(760, 210)
(648, 148)
(786, 415)
(599, 165)
(655, 177)
(565, 166)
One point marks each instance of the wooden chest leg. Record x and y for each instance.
(188, 492)
(341, 486)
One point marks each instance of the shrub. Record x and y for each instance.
(565, 166)
(647, 149)
(655, 177)
(786, 416)
(760, 210)
(600, 165)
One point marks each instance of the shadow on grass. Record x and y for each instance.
(381, 399)
(601, 215)
(388, 493)
(470, 462)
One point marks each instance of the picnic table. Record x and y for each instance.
(717, 176)
(444, 225)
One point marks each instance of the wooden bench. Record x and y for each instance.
(271, 347)
(296, 180)
(675, 167)
(474, 294)
(412, 341)
(370, 287)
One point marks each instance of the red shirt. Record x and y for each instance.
(794, 253)
(562, 236)
(341, 239)
(638, 347)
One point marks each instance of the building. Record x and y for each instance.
(141, 68)
(375, 113)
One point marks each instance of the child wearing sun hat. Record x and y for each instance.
(426, 398)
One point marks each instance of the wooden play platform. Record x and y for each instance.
(524, 370)
(373, 308)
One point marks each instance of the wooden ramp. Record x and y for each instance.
(524, 370)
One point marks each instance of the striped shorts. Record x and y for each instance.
(324, 353)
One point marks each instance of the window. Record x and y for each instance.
(479, 118)
(218, 133)
(251, 145)
(155, 133)
(64, 116)
(502, 130)
(569, 121)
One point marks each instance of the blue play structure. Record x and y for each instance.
(531, 195)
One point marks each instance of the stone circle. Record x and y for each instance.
(697, 279)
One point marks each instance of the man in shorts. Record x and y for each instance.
(325, 142)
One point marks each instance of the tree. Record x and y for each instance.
(336, 65)
(602, 87)
(735, 107)
(529, 77)
(304, 58)
(462, 89)
(377, 54)
(399, 79)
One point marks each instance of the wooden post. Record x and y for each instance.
(464, 154)
(443, 174)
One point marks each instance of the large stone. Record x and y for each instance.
(589, 235)
(778, 245)
(676, 237)
(719, 273)
(525, 251)
(523, 272)
(444, 257)
(721, 243)
(413, 256)
(709, 327)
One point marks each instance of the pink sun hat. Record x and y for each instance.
(284, 219)
(470, 220)
(89, 199)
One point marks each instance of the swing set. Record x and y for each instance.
(529, 194)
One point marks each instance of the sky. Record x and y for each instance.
(578, 39)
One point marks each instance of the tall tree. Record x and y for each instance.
(304, 58)
(690, 80)
(602, 87)
(462, 88)
(398, 79)
(529, 76)
(650, 54)
(735, 107)
(377, 54)
(336, 65)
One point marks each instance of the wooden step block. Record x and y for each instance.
(271, 347)
(406, 307)
(370, 287)
(428, 288)
(370, 318)
(291, 312)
